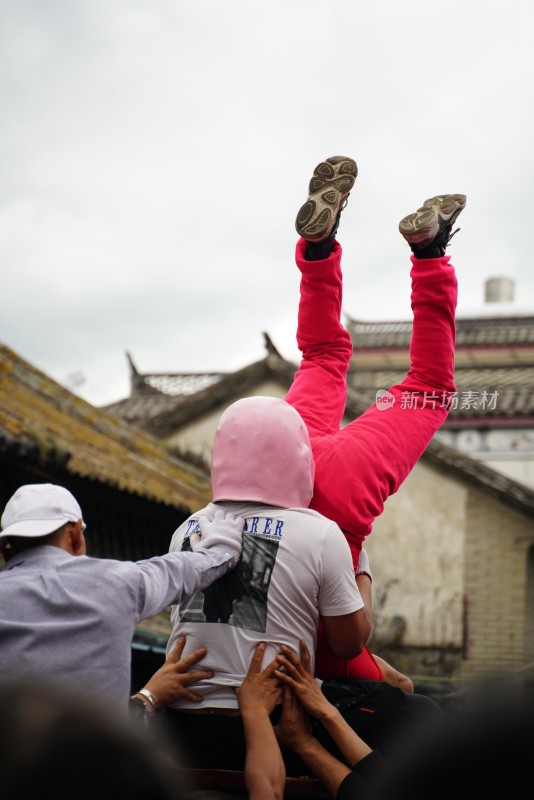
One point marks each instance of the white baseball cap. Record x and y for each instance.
(37, 509)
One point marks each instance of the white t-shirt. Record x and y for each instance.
(295, 564)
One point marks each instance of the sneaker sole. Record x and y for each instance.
(329, 187)
(424, 224)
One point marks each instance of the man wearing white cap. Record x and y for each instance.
(69, 619)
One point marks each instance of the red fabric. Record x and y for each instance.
(359, 466)
(327, 665)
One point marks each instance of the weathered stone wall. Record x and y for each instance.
(416, 552)
(453, 580)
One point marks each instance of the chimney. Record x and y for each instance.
(499, 290)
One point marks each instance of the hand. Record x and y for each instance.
(224, 530)
(257, 696)
(363, 565)
(298, 676)
(393, 676)
(261, 688)
(170, 681)
(293, 728)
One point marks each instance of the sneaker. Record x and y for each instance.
(429, 228)
(328, 192)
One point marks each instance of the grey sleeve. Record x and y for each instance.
(166, 580)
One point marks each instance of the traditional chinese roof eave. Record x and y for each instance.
(230, 387)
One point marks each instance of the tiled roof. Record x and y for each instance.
(483, 393)
(185, 383)
(39, 416)
(228, 388)
(494, 366)
(163, 414)
(143, 406)
(139, 409)
(276, 368)
(475, 332)
(487, 393)
(155, 394)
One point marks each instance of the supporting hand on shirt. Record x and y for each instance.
(298, 676)
(257, 696)
(170, 682)
(261, 688)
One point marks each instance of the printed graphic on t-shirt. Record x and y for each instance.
(239, 598)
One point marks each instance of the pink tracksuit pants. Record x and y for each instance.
(360, 465)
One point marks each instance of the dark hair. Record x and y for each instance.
(17, 544)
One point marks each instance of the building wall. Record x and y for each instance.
(497, 580)
(453, 571)
(416, 551)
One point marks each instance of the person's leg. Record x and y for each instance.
(319, 388)
(368, 460)
(358, 468)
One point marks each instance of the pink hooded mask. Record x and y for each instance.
(262, 453)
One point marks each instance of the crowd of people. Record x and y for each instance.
(268, 668)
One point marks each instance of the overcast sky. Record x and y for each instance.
(155, 153)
